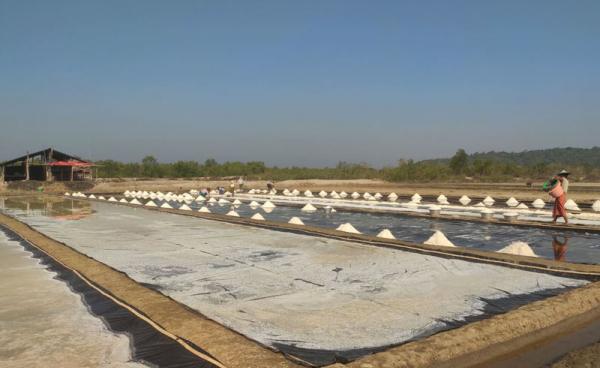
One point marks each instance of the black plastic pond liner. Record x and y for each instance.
(148, 345)
(492, 307)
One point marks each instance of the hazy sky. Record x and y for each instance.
(297, 82)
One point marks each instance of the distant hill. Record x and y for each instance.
(568, 156)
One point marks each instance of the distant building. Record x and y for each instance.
(47, 165)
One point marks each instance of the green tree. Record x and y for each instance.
(150, 166)
(459, 162)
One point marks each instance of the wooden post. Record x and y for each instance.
(1, 174)
(71, 173)
(27, 168)
(49, 173)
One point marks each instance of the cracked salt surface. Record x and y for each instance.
(284, 288)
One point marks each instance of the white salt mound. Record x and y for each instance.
(257, 216)
(416, 198)
(308, 208)
(237, 202)
(464, 200)
(92, 196)
(367, 195)
(488, 201)
(232, 213)
(596, 206)
(268, 204)
(254, 204)
(343, 194)
(150, 204)
(308, 193)
(571, 205)
(224, 201)
(512, 202)
(392, 197)
(67, 194)
(113, 199)
(200, 199)
(165, 205)
(204, 210)
(102, 198)
(386, 234)
(518, 248)
(212, 200)
(123, 200)
(355, 195)
(377, 196)
(438, 238)
(538, 203)
(322, 194)
(185, 207)
(135, 201)
(295, 221)
(522, 206)
(480, 204)
(348, 228)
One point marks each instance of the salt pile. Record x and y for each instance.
(348, 228)
(343, 194)
(488, 201)
(522, 206)
(464, 200)
(596, 206)
(416, 198)
(308, 193)
(480, 204)
(518, 248)
(165, 205)
(102, 198)
(295, 192)
(512, 202)
(538, 203)
(367, 195)
(67, 194)
(200, 199)
(257, 216)
(286, 192)
(150, 204)
(204, 210)
(223, 201)
(438, 238)
(185, 207)
(442, 199)
(268, 209)
(113, 199)
(371, 198)
(268, 204)
(335, 196)
(322, 194)
(329, 209)
(386, 234)
(123, 200)
(571, 205)
(254, 204)
(251, 191)
(135, 201)
(392, 197)
(308, 208)
(355, 195)
(127, 193)
(333, 192)
(295, 221)
(232, 213)
(237, 202)
(212, 200)
(92, 196)
(377, 196)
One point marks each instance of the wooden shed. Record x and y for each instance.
(47, 165)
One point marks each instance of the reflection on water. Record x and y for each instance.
(59, 208)
(547, 243)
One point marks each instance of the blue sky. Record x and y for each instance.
(297, 82)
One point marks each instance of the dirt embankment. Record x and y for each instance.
(584, 192)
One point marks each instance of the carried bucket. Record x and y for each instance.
(557, 191)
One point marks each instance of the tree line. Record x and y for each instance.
(461, 167)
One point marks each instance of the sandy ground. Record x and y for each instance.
(44, 324)
(588, 357)
(343, 296)
(586, 192)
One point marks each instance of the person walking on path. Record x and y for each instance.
(559, 209)
(241, 182)
(232, 187)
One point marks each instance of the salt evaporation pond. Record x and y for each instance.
(45, 324)
(580, 247)
(315, 298)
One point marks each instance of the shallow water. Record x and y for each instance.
(569, 246)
